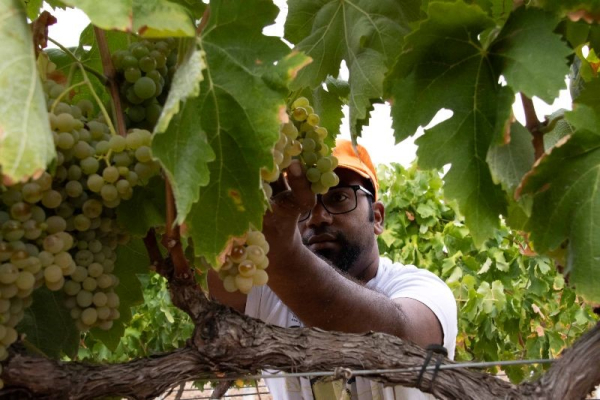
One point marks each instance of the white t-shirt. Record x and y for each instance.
(394, 280)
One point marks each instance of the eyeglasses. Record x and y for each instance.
(338, 200)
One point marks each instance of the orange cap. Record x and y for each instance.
(357, 160)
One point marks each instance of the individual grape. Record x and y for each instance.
(53, 244)
(81, 222)
(246, 268)
(112, 300)
(89, 165)
(109, 192)
(8, 273)
(134, 139)
(20, 211)
(95, 183)
(89, 316)
(100, 299)
(56, 224)
(71, 288)
(313, 119)
(25, 280)
(147, 64)
(329, 179)
(260, 277)
(89, 284)
(132, 74)
(74, 189)
(313, 174)
(310, 158)
(110, 174)
(144, 88)
(104, 281)
(84, 298)
(244, 284)
(65, 140)
(31, 193)
(95, 269)
(82, 150)
(92, 208)
(324, 164)
(143, 154)
(56, 286)
(270, 176)
(80, 274)
(65, 122)
(53, 273)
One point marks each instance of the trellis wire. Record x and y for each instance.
(485, 364)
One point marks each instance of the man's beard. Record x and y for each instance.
(343, 259)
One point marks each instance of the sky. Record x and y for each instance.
(377, 137)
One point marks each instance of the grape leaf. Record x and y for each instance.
(185, 84)
(445, 66)
(367, 35)
(567, 206)
(132, 259)
(586, 112)
(48, 325)
(328, 104)
(33, 8)
(240, 107)
(145, 209)
(524, 44)
(179, 142)
(509, 162)
(26, 144)
(149, 18)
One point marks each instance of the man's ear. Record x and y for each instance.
(378, 217)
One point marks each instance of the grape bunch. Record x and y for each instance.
(60, 230)
(246, 263)
(302, 138)
(144, 72)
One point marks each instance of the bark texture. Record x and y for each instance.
(226, 344)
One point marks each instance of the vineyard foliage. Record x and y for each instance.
(209, 107)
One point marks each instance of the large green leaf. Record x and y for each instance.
(132, 259)
(26, 144)
(48, 325)
(445, 66)
(151, 18)
(509, 162)
(527, 42)
(366, 34)
(566, 205)
(145, 210)
(328, 104)
(179, 142)
(240, 110)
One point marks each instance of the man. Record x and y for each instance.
(325, 271)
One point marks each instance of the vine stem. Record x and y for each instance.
(109, 71)
(172, 237)
(533, 125)
(92, 71)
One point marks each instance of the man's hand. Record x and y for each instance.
(293, 196)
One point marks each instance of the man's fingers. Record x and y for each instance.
(300, 186)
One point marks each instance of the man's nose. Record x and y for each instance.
(319, 215)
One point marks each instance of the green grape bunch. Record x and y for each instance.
(144, 73)
(246, 263)
(59, 230)
(300, 138)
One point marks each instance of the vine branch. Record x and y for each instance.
(534, 126)
(172, 238)
(109, 71)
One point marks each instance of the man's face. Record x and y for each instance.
(343, 240)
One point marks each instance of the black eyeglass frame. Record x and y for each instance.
(356, 188)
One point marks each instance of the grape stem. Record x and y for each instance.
(109, 71)
(111, 127)
(92, 71)
(204, 20)
(172, 238)
(63, 94)
(533, 125)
